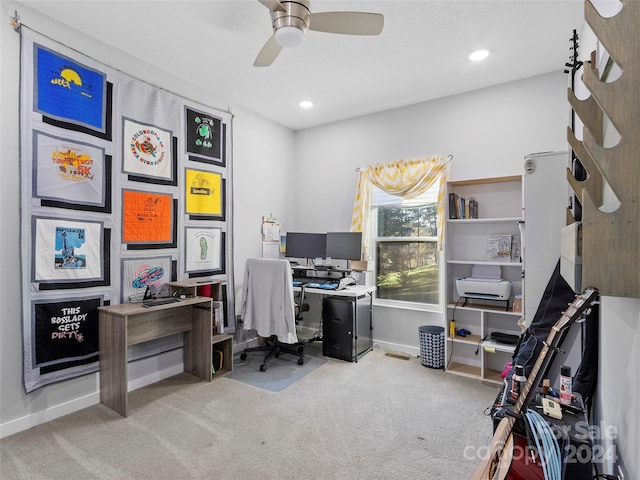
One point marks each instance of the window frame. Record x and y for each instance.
(373, 248)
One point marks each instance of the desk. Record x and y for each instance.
(358, 329)
(130, 323)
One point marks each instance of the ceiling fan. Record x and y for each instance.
(292, 19)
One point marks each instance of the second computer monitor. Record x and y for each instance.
(306, 245)
(344, 245)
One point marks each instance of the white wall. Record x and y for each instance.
(262, 159)
(487, 131)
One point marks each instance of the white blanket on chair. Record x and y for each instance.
(267, 299)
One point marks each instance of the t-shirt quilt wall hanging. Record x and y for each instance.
(93, 138)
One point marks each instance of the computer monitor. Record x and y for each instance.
(306, 245)
(344, 245)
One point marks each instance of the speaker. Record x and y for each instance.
(346, 327)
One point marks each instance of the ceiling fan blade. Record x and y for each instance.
(268, 53)
(348, 23)
(273, 5)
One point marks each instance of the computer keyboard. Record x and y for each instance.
(154, 302)
(323, 286)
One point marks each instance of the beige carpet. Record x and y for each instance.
(382, 418)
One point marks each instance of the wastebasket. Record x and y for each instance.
(432, 346)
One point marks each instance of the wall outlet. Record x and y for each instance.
(620, 473)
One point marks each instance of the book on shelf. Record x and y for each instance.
(499, 248)
(453, 206)
(462, 207)
(473, 208)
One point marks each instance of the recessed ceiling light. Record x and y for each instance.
(306, 104)
(479, 55)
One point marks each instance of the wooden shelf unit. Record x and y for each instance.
(224, 343)
(219, 340)
(189, 288)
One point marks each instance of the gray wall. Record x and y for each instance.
(487, 131)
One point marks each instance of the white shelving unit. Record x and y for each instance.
(500, 211)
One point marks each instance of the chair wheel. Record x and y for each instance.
(263, 367)
(300, 361)
(243, 356)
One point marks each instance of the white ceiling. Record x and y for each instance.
(420, 55)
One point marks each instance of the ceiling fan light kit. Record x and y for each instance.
(291, 25)
(292, 19)
(289, 37)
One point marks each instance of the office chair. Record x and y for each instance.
(269, 308)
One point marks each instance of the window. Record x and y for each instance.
(404, 236)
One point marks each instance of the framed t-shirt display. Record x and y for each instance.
(110, 201)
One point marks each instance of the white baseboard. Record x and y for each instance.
(154, 377)
(396, 348)
(51, 413)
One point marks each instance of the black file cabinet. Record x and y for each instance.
(346, 327)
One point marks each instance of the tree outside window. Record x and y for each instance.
(406, 251)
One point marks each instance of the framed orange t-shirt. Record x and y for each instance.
(146, 217)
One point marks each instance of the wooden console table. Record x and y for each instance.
(130, 323)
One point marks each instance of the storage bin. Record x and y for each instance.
(432, 346)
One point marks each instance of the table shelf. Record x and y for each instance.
(224, 343)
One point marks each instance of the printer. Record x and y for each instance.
(484, 283)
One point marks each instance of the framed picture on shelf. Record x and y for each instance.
(499, 248)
